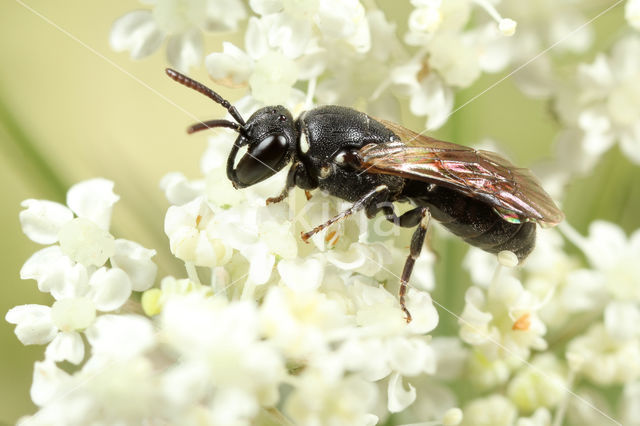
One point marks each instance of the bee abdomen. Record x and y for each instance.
(519, 238)
(476, 222)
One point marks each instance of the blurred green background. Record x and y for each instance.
(68, 113)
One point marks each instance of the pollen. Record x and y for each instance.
(331, 238)
(523, 323)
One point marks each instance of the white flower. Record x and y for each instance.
(141, 32)
(72, 271)
(541, 417)
(488, 373)
(620, 319)
(544, 24)
(224, 338)
(606, 360)
(503, 322)
(581, 409)
(402, 350)
(614, 267)
(630, 410)
(120, 337)
(452, 51)
(540, 384)
(493, 410)
(72, 312)
(186, 226)
(84, 242)
(335, 20)
(346, 83)
(324, 396)
(632, 13)
(116, 343)
(301, 274)
(428, 94)
(102, 391)
(460, 69)
(179, 190)
(266, 69)
(451, 357)
(298, 322)
(605, 103)
(86, 238)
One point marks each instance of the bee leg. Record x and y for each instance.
(367, 200)
(406, 220)
(417, 241)
(295, 176)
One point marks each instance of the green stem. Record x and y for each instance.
(36, 165)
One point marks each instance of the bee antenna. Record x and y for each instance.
(199, 87)
(204, 125)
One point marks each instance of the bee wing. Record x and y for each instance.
(514, 192)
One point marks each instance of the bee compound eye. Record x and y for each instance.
(262, 160)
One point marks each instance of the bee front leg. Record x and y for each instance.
(297, 176)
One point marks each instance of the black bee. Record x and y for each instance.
(477, 195)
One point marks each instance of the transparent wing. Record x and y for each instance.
(513, 192)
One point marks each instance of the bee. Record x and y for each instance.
(477, 195)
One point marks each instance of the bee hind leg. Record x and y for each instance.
(417, 241)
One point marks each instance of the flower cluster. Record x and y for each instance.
(602, 105)
(264, 328)
(74, 270)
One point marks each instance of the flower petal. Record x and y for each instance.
(42, 220)
(301, 274)
(48, 381)
(185, 50)
(85, 242)
(179, 190)
(120, 336)
(289, 34)
(255, 39)
(261, 264)
(632, 15)
(136, 32)
(605, 243)
(93, 199)
(231, 68)
(399, 398)
(67, 346)
(266, 7)
(73, 313)
(55, 273)
(110, 288)
(621, 319)
(433, 99)
(411, 357)
(234, 11)
(136, 261)
(630, 143)
(33, 324)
